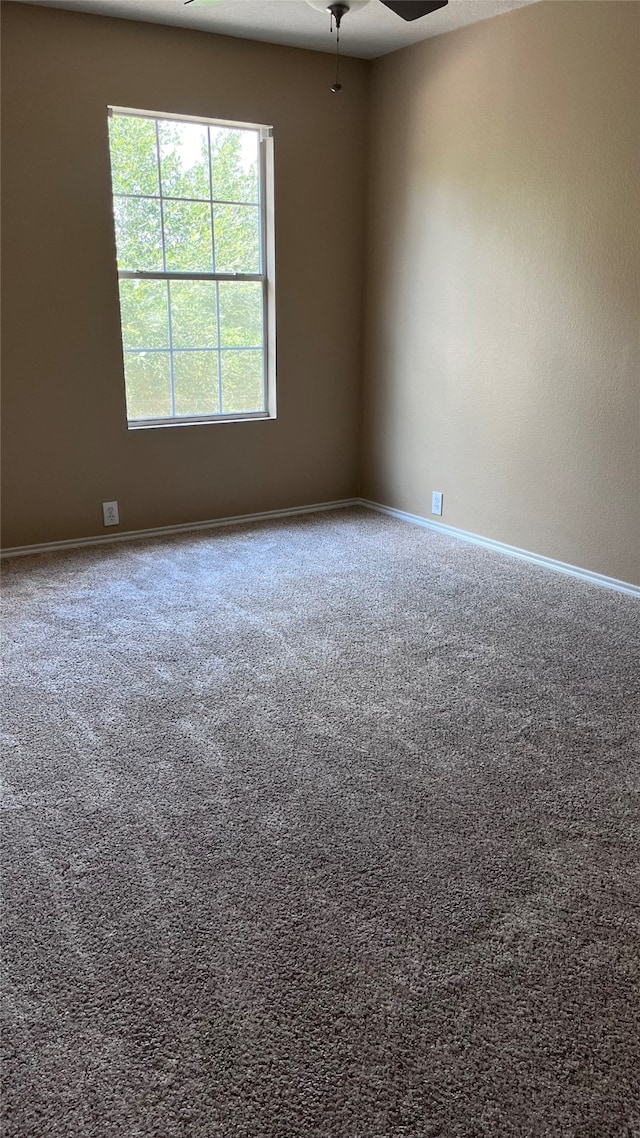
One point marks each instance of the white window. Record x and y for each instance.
(194, 234)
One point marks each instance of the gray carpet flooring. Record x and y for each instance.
(325, 828)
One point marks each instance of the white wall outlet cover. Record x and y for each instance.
(110, 513)
(436, 502)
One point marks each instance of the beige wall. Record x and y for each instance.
(503, 290)
(66, 447)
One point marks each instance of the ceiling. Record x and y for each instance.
(367, 33)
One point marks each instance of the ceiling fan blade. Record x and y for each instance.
(414, 9)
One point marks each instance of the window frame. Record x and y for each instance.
(266, 275)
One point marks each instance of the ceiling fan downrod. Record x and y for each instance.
(337, 11)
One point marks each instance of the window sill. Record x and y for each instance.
(148, 424)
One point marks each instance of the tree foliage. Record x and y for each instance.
(186, 199)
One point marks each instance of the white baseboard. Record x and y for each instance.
(500, 547)
(319, 507)
(165, 531)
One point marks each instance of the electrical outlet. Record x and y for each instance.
(436, 502)
(110, 513)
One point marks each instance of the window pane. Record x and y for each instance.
(144, 315)
(184, 158)
(240, 314)
(138, 233)
(195, 375)
(134, 159)
(193, 314)
(187, 237)
(237, 233)
(148, 380)
(241, 381)
(234, 164)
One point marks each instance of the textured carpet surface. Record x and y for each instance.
(319, 829)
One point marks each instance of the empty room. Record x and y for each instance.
(320, 569)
